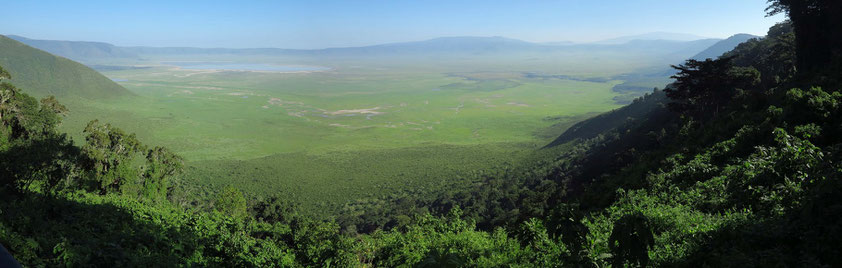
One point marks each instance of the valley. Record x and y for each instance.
(325, 128)
(372, 121)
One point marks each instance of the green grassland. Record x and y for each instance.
(359, 130)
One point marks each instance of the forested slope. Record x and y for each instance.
(734, 164)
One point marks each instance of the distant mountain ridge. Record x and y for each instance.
(41, 73)
(459, 45)
(76, 49)
(666, 36)
(723, 46)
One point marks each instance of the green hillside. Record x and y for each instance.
(42, 73)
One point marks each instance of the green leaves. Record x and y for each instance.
(231, 202)
(630, 240)
(108, 152)
(161, 167)
(703, 87)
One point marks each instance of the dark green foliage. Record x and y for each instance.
(50, 161)
(818, 41)
(565, 224)
(630, 240)
(30, 149)
(590, 128)
(442, 257)
(773, 56)
(108, 153)
(9, 103)
(273, 209)
(162, 167)
(450, 241)
(702, 87)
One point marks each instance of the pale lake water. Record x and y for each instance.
(263, 67)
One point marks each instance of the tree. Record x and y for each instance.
(8, 92)
(818, 32)
(631, 239)
(231, 202)
(4, 74)
(565, 223)
(51, 104)
(706, 86)
(49, 116)
(161, 166)
(108, 151)
(50, 160)
(274, 209)
(34, 120)
(441, 257)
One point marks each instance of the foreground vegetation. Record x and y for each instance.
(734, 164)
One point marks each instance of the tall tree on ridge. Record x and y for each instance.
(818, 31)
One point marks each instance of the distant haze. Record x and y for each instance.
(334, 23)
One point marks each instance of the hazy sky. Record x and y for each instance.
(330, 23)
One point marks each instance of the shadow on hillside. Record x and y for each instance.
(36, 158)
(55, 230)
(48, 231)
(807, 236)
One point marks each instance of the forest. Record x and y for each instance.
(734, 164)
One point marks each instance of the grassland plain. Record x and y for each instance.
(353, 132)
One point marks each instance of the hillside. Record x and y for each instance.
(639, 109)
(723, 46)
(76, 50)
(641, 82)
(43, 74)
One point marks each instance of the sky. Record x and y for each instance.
(334, 23)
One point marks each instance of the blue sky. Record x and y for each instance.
(329, 23)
